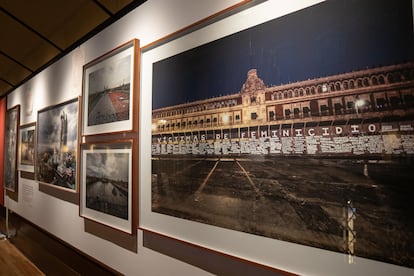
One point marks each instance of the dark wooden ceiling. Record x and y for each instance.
(34, 34)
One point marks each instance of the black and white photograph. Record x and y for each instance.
(108, 92)
(56, 151)
(300, 129)
(27, 135)
(10, 148)
(106, 184)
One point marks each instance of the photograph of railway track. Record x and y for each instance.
(109, 92)
(107, 95)
(304, 136)
(109, 105)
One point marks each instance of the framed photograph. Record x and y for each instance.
(57, 145)
(106, 192)
(27, 134)
(270, 142)
(108, 91)
(106, 189)
(10, 149)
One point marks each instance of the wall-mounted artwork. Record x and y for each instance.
(27, 134)
(289, 129)
(56, 150)
(108, 91)
(3, 110)
(10, 149)
(106, 190)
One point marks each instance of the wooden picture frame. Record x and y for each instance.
(11, 151)
(109, 90)
(177, 149)
(57, 147)
(27, 135)
(107, 184)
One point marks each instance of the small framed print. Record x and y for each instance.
(27, 135)
(108, 91)
(10, 149)
(106, 184)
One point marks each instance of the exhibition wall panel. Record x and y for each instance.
(62, 82)
(171, 203)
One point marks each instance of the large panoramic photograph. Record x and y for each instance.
(300, 129)
(56, 151)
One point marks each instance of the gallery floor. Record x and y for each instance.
(13, 262)
(30, 250)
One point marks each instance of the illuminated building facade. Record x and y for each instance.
(363, 112)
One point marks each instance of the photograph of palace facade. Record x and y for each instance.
(357, 112)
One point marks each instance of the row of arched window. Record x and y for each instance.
(196, 108)
(346, 84)
(332, 86)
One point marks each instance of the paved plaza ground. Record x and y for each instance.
(297, 199)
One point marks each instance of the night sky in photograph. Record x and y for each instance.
(333, 37)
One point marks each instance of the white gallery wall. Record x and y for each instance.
(62, 81)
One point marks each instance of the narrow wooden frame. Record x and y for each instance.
(27, 135)
(102, 200)
(11, 151)
(109, 84)
(57, 148)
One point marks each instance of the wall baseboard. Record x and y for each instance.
(50, 254)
